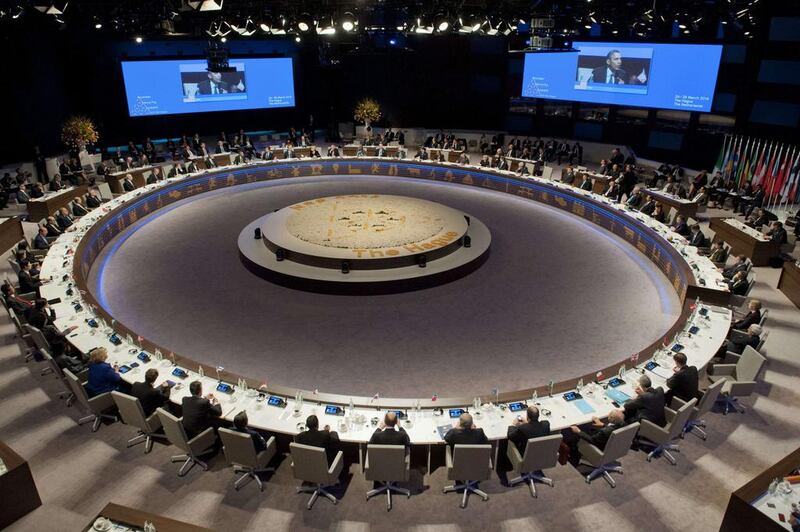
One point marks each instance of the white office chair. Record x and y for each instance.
(605, 461)
(663, 437)
(241, 454)
(696, 424)
(310, 464)
(739, 379)
(540, 453)
(387, 464)
(193, 449)
(131, 412)
(470, 464)
(96, 405)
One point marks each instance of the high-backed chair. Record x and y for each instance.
(740, 379)
(387, 464)
(97, 405)
(132, 413)
(696, 423)
(604, 461)
(105, 191)
(469, 464)
(310, 464)
(193, 449)
(56, 370)
(663, 437)
(241, 454)
(540, 454)
(24, 335)
(39, 341)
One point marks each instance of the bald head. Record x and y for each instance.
(617, 417)
(465, 420)
(390, 419)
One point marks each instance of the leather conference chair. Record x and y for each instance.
(470, 464)
(193, 449)
(739, 379)
(24, 335)
(605, 461)
(97, 405)
(39, 341)
(387, 464)
(131, 412)
(54, 368)
(241, 454)
(310, 464)
(696, 423)
(663, 437)
(540, 454)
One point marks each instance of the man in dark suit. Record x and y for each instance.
(127, 183)
(325, 438)
(649, 206)
(600, 432)
(178, 169)
(240, 425)
(680, 226)
(739, 266)
(683, 383)
(612, 71)
(752, 317)
(199, 413)
(777, 233)
(696, 237)
(216, 85)
(27, 282)
(52, 227)
(63, 219)
(648, 404)
(93, 200)
(520, 432)
(149, 396)
(617, 157)
(40, 240)
(388, 433)
(22, 194)
(466, 433)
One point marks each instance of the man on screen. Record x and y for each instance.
(612, 72)
(216, 85)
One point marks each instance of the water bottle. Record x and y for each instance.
(621, 372)
(534, 397)
(200, 371)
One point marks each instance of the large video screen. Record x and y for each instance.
(664, 76)
(185, 86)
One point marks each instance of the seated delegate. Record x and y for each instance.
(325, 438)
(388, 433)
(199, 413)
(648, 403)
(102, 376)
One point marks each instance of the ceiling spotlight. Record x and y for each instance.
(138, 40)
(441, 22)
(97, 26)
(348, 21)
(205, 5)
(305, 22)
(326, 28)
(297, 39)
(17, 11)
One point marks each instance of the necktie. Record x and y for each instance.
(610, 77)
(214, 89)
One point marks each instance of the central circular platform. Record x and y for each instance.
(363, 243)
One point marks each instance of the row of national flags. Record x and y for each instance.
(773, 165)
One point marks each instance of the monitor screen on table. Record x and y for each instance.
(663, 76)
(166, 87)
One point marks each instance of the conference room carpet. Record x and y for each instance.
(556, 297)
(78, 472)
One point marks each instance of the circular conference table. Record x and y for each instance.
(700, 329)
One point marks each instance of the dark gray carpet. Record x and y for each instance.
(557, 297)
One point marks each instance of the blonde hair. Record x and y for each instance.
(98, 354)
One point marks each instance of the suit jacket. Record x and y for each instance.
(697, 239)
(102, 378)
(737, 346)
(682, 385)
(52, 230)
(27, 283)
(682, 229)
(520, 434)
(78, 210)
(63, 221)
(93, 201)
(778, 235)
(390, 436)
(326, 439)
(599, 75)
(22, 197)
(127, 186)
(739, 288)
(752, 317)
(458, 436)
(733, 270)
(648, 208)
(40, 242)
(258, 440)
(150, 396)
(649, 406)
(599, 438)
(198, 414)
(204, 87)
